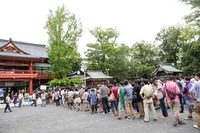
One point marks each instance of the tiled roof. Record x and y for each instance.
(169, 68)
(34, 50)
(98, 75)
(12, 54)
(90, 75)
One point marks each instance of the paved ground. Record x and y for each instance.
(53, 119)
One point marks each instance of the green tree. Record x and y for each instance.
(193, 3)
(120, 67)
(170, 42)
(98, 53)
(193, 17)
(144, 58)
(191, 59)
(64, 31)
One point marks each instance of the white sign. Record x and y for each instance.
(43, 87)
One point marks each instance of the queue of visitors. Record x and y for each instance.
(128, 99)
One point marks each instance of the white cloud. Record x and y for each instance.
(23, 20)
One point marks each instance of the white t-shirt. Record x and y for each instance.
(34, 96)
(70, 94)
(85, 95)
(43, 96)
(20, 96)
(63, 93)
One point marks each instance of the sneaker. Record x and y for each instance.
(181, 122)
(188, 118)
(125, 117)
(144, 121)
(128, 119)
(119, 118)
(157, 108)
(196, 126)
(154, 119)
(175, 124)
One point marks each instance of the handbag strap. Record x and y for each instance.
(168, 90)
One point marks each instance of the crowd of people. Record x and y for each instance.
(128, 99)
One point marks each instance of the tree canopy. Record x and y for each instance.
(144, 58)
(64, 31)
(170, 44)
(98, 53)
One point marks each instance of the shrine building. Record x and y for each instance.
(23, 66)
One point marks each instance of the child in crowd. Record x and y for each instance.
(93, 101)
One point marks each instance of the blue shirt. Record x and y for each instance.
(128, 92)
(93, 98)
(187, 88)
(196, 89)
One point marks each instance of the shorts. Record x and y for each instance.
(120, 106)
(85, 101)
(174, 106)
(77, 100)
(190, 106)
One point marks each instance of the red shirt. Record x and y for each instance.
(172, 87)
(115, 91)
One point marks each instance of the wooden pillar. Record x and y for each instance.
(30, 86)
(30, 66)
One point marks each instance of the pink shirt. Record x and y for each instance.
(173, 87)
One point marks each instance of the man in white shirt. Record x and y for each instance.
(20, 97)
(34, 99)
(146, 94)
(63, 94)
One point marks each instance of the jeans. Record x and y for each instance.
(34, 103)
(114, 106)
(135, 105)
(20, 103)
(181, 102)
(7, 107)
(163, 107)
(105, 105)
(57, 102)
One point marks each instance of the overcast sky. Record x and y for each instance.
(23, 20)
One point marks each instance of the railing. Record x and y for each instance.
(43, 74)
(6, 74)
(3, 71)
